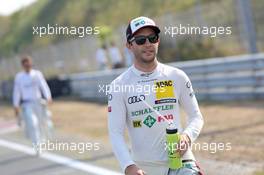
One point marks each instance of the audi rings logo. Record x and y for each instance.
(135, 99)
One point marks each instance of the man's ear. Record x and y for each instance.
(128, 45)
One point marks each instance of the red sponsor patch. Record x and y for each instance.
(167, 117)
(109, 109)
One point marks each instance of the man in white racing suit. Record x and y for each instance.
(144, 99)
(29, 88)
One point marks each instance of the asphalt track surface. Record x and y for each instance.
(17, 157)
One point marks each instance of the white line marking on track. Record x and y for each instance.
(10, 129)
(59, 159)
(8, 126)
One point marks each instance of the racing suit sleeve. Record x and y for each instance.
(44, 87)
(190, 105)
(116, 126)
(16, 93)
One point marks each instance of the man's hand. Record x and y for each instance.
(184, 144)
(17, 116)
(134, 170)
(49, 101)
(16, 111)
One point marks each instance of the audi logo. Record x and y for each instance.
(135, 99)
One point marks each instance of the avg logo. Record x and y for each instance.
(164, 89)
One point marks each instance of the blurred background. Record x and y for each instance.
(227, 72)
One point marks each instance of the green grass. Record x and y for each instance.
(259, 173)
(18, 33)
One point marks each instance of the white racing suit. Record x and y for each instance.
(37, 119)
(29, 88)
(144, 103)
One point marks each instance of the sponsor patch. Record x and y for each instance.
(188, 85)
(164, 89)
(165, 117)
(135, 99)
(168, 100)
(149, 121)
(137, 123)
(191, 94)
(149, 110)
(109, 109)
(110, 97)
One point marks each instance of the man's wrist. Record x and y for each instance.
(188, 139)
(16, 110)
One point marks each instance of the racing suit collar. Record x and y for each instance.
(146, 74)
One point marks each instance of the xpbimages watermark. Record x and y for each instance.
(80, 31)
(210, 147)
(211, 31)
(138, 88)
(79, 147)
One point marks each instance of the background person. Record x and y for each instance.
(101, 57)
(29, 87)
(115, 56)
(128, 57)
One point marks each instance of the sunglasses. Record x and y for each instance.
(140, 40)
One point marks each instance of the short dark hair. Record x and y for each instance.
(25, 58)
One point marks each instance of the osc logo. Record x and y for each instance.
(140, 22)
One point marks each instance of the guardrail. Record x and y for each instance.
(229, 78)
(59, 86)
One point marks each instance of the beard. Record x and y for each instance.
(147, 57)
(149, 60)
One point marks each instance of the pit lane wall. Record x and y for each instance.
(229, 78)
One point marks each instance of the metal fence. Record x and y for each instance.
(229, 78)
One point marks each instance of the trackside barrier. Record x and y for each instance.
(228, 78)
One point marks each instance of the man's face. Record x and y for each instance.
(27, 65)
(146, 52)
